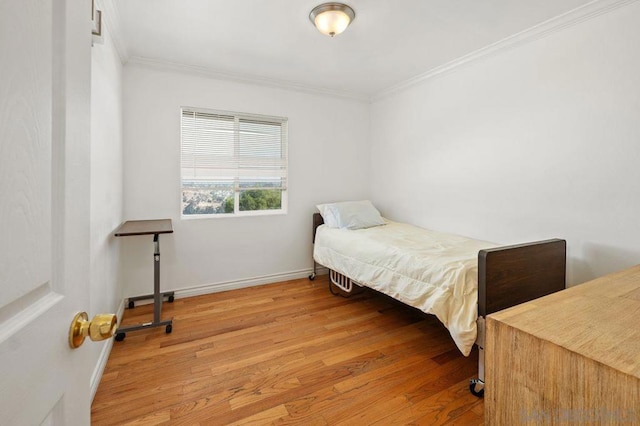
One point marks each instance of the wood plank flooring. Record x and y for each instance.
(287, 353)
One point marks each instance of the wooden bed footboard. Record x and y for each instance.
(510, 275)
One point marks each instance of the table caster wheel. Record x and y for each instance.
(120, 337)
(171, 299)
(131, 304)
(312, 277)
(168, 329)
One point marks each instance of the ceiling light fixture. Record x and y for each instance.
(332, 18)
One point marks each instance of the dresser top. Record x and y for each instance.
(599, 319)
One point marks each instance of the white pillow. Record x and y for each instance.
(351, 215)
(328, 216)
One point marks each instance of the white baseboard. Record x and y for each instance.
(96, 376)
(243, 283)
(237, 284)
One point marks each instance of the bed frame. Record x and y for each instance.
(507, 276)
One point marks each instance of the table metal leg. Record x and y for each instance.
(157, 298)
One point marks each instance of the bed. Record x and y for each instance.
(457, 279)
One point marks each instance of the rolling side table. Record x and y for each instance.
(155, 228)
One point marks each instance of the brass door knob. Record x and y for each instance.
(101, 327)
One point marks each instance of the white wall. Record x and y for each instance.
(537, 142)
(328, 146)
(106, 175)
(106, 187)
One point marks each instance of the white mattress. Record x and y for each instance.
(432, 271)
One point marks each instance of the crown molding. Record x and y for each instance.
(573, 17)
(243, 78)
(112, 18)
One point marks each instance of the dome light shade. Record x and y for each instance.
(332, 18)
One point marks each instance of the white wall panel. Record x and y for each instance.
(106, 175)
(328, 160)
(106, 200)
(537, 142)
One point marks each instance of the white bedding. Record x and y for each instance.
(432, 271)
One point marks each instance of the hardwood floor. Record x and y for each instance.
(287, 353)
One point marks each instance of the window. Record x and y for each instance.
(232, 164)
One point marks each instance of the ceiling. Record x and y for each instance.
(388, 43)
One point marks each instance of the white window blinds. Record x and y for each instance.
(229, 149)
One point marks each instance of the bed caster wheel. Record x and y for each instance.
(168, 329)
(120, 336)
(476, 387)
(312, 277)
(170, 299)
(131, 304)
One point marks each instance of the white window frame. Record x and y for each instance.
(237, 117)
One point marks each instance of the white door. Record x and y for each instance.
(44, 209)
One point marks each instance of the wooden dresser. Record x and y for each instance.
(572, 357)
